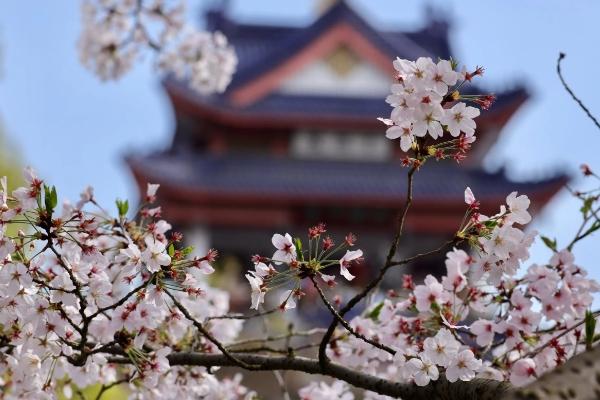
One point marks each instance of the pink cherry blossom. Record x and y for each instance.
(258, 292)
(464, 367)
(286, 302)
(483, 330)
(522, 372)
(442, 348)
(286, 251)
(154, 257)
(429, 293)
(469, 197)
(518, 206)
(346, 261)
(422, 371)
(459, 119)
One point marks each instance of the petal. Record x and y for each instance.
(278, 241)
(345, 273)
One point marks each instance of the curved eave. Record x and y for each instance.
(252, 208)
(219, 111)
(239, 118)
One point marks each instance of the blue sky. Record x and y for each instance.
(75, 130)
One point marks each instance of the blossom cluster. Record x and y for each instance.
(78, 288)
(89, 298)
(298, 263)
(116, 33)
(426, 104)
(481, 319)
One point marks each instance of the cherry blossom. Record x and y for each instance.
(432, 292)
(286, 251)
(442, 348)
(422, 371)
(286, 301)
(402, 131)
(464, 367)
(258, 293)
(469, 197)
(338, 390)
(419, 99)
(442, 76)
(88, 298)
(205, 59)
(116, 34)
(518, 206)
(154, 256)
(484, 331)
(345, 262)
(3, 194)
(459, 119)
(295, 261)
(522, 372)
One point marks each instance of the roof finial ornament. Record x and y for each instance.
(323, 5)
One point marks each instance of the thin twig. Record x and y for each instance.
(375, 282)
(345, 323)
(549, 342)
(279, 337)
(208, 335)
(106, 388)
(242, 316)
(561, 56)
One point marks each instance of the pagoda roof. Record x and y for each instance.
(270, 181)
(268, 54)
(285, 110)
(263, 47)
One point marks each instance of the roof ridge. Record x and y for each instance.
(303, 36)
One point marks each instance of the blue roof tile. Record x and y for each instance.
(272, 176)
(257, 43)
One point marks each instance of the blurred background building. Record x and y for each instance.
(295, 141)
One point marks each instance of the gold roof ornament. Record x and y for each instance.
(323, 5)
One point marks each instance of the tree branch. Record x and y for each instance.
(237, 362)
(578, 378)
(478, 389)
(375, 282)
(561, 56)
(345, 323)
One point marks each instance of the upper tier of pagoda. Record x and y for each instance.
(332, 73)
(295, 138)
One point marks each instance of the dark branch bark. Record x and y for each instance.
(235, 360)
(578, 378)
(479, 389)
(345, 323)
(375, 282)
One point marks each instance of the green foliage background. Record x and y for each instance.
(10, 164)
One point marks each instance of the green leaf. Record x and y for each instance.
(590, 328)
(587, 206)
(187, 251)
(298, 244)
(453, 63)
(490, 223)
(171, 250)
(374, 313)
(50, 198)
(551, 244)
(38, 198)
(123, 207)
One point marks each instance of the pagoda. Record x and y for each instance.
(295, 141)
